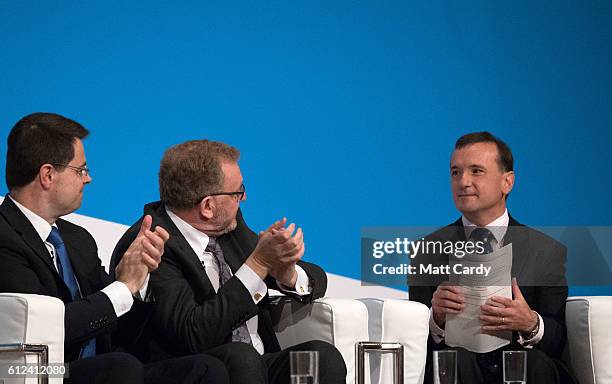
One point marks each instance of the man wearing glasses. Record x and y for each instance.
(41, 253)
(211, 289)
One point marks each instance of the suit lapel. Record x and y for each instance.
(518, 236)
(177, 243)
(24, 228)
(231, 251)
(78, 262)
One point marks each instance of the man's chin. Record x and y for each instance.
(231, 226)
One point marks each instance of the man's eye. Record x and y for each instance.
(454, 173)
(477, 171)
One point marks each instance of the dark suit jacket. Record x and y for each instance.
(27, 267)
(538, 263)
(189, 315)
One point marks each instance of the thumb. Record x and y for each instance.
(516, 291)
(145, 225)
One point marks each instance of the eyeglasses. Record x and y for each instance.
(81, 171)
(239, 194)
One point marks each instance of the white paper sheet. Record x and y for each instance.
(464, 329)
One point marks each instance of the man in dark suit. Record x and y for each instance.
(41, 253)
(482, 177)
(212, 287)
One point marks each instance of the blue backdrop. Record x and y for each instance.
(345, 112)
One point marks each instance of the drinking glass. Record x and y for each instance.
(445, 367)
(515, 367)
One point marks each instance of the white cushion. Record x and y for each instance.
(589, 323)
(399, 321)
(31, 319)
(341, 322)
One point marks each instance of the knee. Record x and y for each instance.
(242, 354)
(540, 363)
(130, 367)
(209, 369)
(122, 360)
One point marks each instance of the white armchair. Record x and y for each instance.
(589, 344)
(340, 322)
(344, 322)
(31, 331)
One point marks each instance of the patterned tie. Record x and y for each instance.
(241, 333)
(485, 236)
(64, 268)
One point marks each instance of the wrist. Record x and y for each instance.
(530, 332)
(439, 319)
(288, 278)
(258, 267)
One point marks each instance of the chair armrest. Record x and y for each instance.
(588, 335)
(32, 319)
(340, 322)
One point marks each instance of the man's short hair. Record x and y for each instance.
(504, 158)
(192, 170)
(37, 139)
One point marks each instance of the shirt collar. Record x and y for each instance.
(498, 227)
(42, 227)
(197, 240)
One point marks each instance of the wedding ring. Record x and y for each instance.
(503, 320)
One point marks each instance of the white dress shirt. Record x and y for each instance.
(117, 292)
(498, 228)
(257, 288)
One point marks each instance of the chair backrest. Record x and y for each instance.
(340, 322)
(589, 345)
(398, 321)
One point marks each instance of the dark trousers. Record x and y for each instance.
(123, 368)
(246, 365)
(486, 368)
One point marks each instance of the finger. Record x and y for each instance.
(288, 231)
(155, 239)
(294, 256)
(452, 288)
(145, 225)
(495, 311)
(150, 262)
(449, 295)
(448, 310)
(516, 291)
(284, 234)
(161, 232)
(491, 320)
(296, 241)
(500, 301)
(280, 223)
(149, 249)
(498, 327)
(447, 304)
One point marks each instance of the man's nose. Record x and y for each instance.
(465, 180)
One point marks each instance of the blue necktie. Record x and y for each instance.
(485, 236)
(64, 268)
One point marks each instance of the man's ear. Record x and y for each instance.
(207, 207)
(508, 182)
(46, 175)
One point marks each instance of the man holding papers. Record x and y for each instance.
(521, 305)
